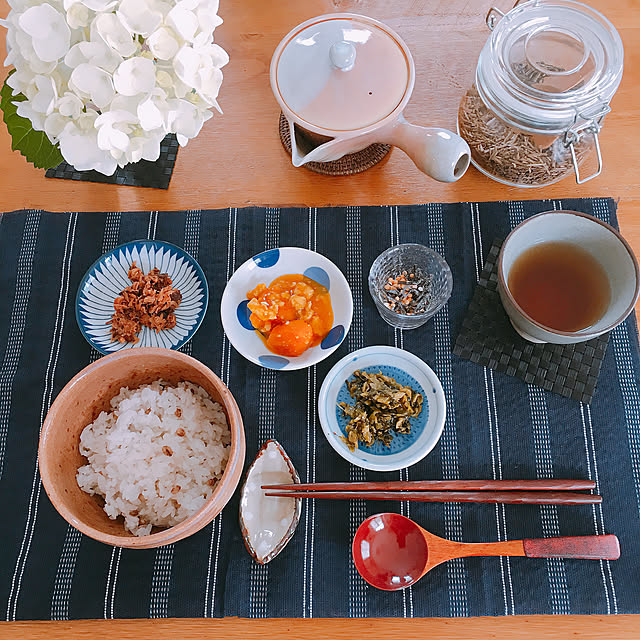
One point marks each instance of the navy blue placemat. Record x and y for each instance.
(497, 427)
(139, 174)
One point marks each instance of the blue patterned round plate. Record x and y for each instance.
(264, 268)
(405, 368)
(107, 277)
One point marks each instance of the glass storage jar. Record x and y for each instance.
(543, 84)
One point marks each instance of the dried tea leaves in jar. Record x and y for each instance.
(382, 407)
(511, 155)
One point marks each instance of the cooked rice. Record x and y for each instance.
(157, 456)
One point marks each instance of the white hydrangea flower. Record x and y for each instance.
(107, 80)
(138, 17)
(92, 83)
(115, 34)
(54, 124)
(183, 21)
(70, 106)
(163, 43)
(49, 31)
(78, 15)
(135, 75)
(46, 95)
(97, 53)
(79, 145)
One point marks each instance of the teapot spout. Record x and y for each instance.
(439, 153)
(309, 147)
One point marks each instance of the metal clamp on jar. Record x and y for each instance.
(544, 81)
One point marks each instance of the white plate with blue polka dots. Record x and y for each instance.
(265, 268)
(407, 369)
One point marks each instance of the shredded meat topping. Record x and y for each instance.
(150, 300)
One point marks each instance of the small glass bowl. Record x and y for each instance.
(405, 257)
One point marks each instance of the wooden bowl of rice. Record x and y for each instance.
(83, 401)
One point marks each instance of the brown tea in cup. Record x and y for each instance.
(560, 285)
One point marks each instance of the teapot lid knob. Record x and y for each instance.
(342, 55)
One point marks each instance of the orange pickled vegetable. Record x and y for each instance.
(292, 314)
(290, 339)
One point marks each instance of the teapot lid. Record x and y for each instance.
(341, 72)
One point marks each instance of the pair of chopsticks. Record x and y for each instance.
(493, 491)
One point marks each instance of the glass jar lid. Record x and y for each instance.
(550, 66)
(341, 72)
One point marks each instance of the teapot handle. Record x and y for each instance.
(439, 153)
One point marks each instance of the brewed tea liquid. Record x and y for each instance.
(560, 285)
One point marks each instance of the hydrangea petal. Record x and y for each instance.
(93, 82)
(115, 34)
(185, 119)
(138, 17)
(149, 115)
(218, 56)
(78, 15)
(46, 96)
(183, 22)
(145, 148)
(99, 5)
(186, 63)
(80, 149)
(162, 43)
(25, 110)
(49, 31)
(54, 125)
(95, 52)
(208, 19)
(70, 105)
(133, 76)
(210, 81)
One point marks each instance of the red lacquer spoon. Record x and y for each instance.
(392, 552)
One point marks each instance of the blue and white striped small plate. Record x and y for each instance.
(407, 369)
(107, 277)
(266, 267)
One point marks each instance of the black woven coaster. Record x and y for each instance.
(140, 174)
(487, 338)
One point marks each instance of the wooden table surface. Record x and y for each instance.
(238, 161)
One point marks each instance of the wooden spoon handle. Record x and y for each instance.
(591, 547)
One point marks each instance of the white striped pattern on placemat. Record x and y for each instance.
(456, 570)
(309, 506)
(112, 579)
(559, 593)
(621, 340)
(161, 582)
(225, 371)
(494, 429)
(116, 554)
(355, 340)
(54, 352)
(398, 342)
(17, 323)
(163, 563)
(598, 515)
(65, 572)
(259, 576)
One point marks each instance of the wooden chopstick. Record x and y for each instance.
(506, 497)
(441, 485)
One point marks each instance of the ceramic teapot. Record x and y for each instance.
(343, 81)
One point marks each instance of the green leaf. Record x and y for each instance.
(35, 146)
